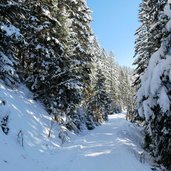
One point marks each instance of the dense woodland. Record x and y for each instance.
(49, 46)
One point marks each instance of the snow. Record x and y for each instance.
(169, 1)
(107, 148)
(152, 86)
(27, 116)
(5, 59)
(164, 100)
(10, 30)
(114, 146)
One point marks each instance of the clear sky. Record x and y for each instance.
(114, 23)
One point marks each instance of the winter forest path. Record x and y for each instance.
(114, 146)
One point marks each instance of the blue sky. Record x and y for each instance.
(114, 23)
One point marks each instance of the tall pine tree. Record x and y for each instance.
(153, 96)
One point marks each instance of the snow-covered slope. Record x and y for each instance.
(115, 146)
(29, 118)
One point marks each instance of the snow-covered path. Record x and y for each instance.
(112, 147)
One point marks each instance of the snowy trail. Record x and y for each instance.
(111, 147)
(114, 146)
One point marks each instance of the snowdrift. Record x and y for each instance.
(28, 123)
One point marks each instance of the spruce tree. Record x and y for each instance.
(98, 106)
(148, 35)
(75, 80)
(11, 40)
(153, 96)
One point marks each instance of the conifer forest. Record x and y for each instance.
(59, 86)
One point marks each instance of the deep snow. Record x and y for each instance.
(114, 146)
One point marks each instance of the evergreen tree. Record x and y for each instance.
(148, 35)
(11, 40)
(126, 91)
(153, 96)
(98, 106)
(41, 59)
(113, 82)
(76, 70)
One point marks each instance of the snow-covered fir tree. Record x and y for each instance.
(76, 70)
(112, 76)
(153, 96)
(43, 54)
(10, 40)
(148, 35)
(99, 104)
(125, 90)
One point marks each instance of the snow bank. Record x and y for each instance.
(27, 118)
